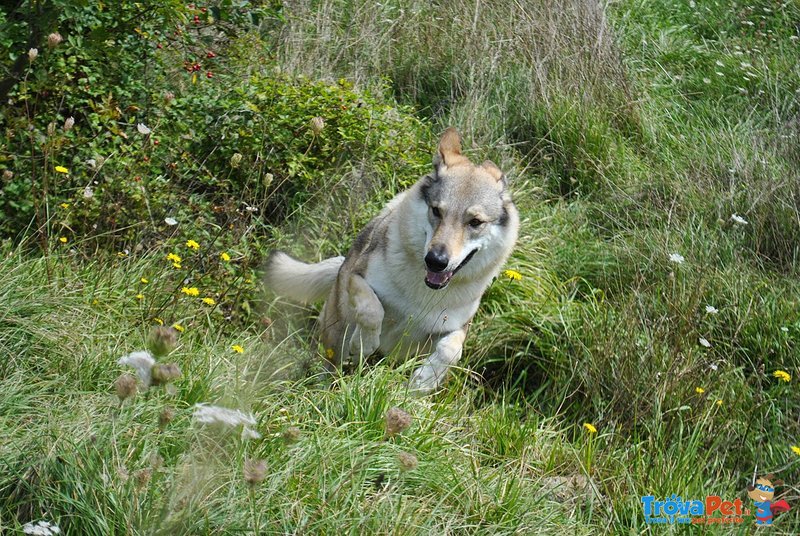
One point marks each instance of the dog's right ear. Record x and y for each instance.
(448, 153)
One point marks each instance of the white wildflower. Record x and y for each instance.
(784, 329)
(676, 258)
(706, 80)
(88, 193)
(710, 309)
(92, 163)
(208, 414)
(41, 528)
(33, 53)
(713, 366)
(170, 221)
(143, 362)
(704, 342)
(142, 128)
(738, 219)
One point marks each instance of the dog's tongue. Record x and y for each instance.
(438, 278)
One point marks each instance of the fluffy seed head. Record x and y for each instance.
(166, 416)
(397, 420)
(167, 373)
(32, 54)
(255, 471)
(54, 39)
(125, 386)
(407, 461)
(292, 434)
(8, 175)
(161, 340)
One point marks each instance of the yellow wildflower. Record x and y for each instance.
(63, 239)
(178, 327)
(209, 301)
(174, 258)
(782, 375)
(512, 275)
(144, 280)
(238, 349)
(719, 402)
(590, 428)
(329, 353)
(140, 296)
(121, 254)
(64, 205)
(191, 291)
(177, 265)
(62, 169)
(796, 450)
(158, 321)
(192, 245)
(224, 256)
(699, 390)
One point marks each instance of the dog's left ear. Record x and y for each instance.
(494, 171)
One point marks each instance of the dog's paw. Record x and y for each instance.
(364, 341)
(425, 380)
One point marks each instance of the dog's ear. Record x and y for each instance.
(449, 151)
(494, 171)
(776, 483)
(750, 487)
(769, 477)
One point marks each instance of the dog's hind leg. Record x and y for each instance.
(368, 315)
(430, 376)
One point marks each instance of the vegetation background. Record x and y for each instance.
(151, 153)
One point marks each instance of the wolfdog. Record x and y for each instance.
(414, 277)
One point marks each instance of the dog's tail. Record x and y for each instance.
(300, 281)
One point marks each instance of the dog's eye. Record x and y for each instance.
(475, 223)
(436, 212)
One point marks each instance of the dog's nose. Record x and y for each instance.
(437, 260)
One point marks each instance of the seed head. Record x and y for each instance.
(142, 477)
(69, 123)
(317, 124)
(407, 461)
(32, 54)
(164, 374)
(397, 420)
(125, 386)
(236, 159)
(166, 416)
(255, 471)
(292, 434)
(54, 39)
(162, 340)
(8, 175)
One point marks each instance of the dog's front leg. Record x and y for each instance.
(368, 314)
(431, 375)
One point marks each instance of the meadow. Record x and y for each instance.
(642, 342)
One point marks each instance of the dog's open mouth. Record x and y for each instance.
(439, 280)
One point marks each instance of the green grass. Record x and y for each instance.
(629, 133)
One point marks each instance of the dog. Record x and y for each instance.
(414, 277)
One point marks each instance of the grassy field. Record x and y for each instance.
(649, 348)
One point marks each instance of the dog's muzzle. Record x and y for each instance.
(438, 279)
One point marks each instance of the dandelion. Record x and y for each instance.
(191, 291)
(64, 205)
(208, 414)
(158, 321)
(512, 275)
(699, 390)
(255, 471)
(191, 244)
(407, 461)
(125, 386)
(143, 130)
(710, 309)
(41, 528)
(161, 340)
(704, 342)
(143, 362)
(122, 254)
(177, 265)
(796, 450)
(397, 420)
(238, 349)
(144, 280)
(164, 374)
(54, 39)
(782, 375)
(329, 353)
(738, 219)
(224, 256)
(179, 328)
(63, 239)
(32, 54)
(590, 428)
(171, 221)
(61, 169)
(718, 402)
(140, 296)
(209, 301)
(677, 258)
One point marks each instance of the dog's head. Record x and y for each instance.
(468, 207)
(764, 489)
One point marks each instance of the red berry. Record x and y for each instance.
(210, 55)
(155, 142)
(196, 19)
(204, 10)
(158, 46)
(209, 74)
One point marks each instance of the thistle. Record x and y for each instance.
(397, 420)
(125, 386)
(161, 340)
(164, 374)
(255, 471)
